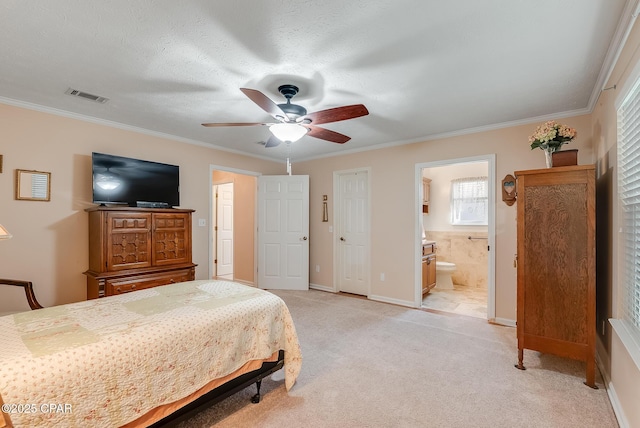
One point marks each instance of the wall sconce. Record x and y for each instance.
(325, 211)
(509, 189)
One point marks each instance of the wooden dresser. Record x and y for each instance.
(556, 263)
(135, 248)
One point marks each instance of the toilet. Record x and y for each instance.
(444, 270)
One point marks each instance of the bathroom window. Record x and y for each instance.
(470, 201)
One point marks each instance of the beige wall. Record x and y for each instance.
(623, 374)
(49, 244)
(393, 202)
(244, 209)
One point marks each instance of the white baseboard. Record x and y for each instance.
(503, 321)
(615, 403)
(383, 299)
(603, 361)
(321, 288)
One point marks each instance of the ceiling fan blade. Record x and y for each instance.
(325, 134)
(336, 114)
(210, 125)
(272, 142)
(265, 103)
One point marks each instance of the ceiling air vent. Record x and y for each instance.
(85, 95)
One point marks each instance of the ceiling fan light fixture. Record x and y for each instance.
(291, 132)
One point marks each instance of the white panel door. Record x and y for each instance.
(353, 233)
(224, 230)
(283, 232)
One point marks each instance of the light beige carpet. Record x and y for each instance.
(370, 364)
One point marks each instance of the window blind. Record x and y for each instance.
(629, 195)
(39, 186)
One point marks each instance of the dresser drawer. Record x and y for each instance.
(140, 282)
(428, 249)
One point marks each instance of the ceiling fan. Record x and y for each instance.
(293, 120)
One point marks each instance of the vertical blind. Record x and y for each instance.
(470, 201)
(629, 195)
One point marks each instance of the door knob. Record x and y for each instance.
(304, 238)
(342, 238)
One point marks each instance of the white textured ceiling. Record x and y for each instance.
(423, 68)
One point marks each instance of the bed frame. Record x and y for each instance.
(223, 391)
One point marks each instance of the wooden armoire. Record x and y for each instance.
(135, 248)
(556, 263)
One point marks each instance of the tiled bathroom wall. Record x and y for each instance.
(470, 255)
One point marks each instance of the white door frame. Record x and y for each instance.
(336, 216)
(210, 217)
(491, 281)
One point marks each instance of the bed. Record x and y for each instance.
(140, 358)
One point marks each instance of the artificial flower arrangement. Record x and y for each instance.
(551, 135)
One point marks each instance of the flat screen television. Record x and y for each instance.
(119, 180)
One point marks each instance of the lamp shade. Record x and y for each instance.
(4, 233)
(288, 131)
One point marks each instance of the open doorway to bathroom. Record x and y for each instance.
(457, 220)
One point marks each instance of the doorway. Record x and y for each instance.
(468, 246)
(245, 253)
(237, 258)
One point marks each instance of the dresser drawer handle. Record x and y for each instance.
(171, 281)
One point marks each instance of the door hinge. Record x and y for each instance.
(215, 262)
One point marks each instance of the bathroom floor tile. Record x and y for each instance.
(462, 300)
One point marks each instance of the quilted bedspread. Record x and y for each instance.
(106, 362)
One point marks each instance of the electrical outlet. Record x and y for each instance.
(317, 268)
(202, 222)
(382, 276)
